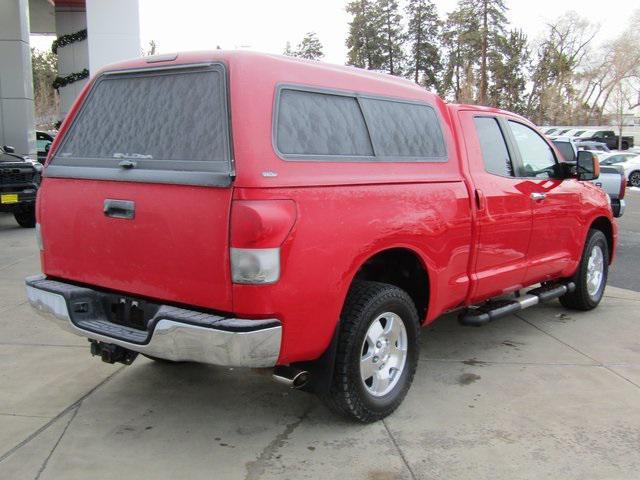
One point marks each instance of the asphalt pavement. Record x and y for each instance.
(625, 271)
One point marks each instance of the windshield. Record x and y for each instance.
(616, 159)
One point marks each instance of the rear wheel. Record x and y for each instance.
(634, 178)
(625, 146)
(26, 218)
(377, 352)
(591, 277)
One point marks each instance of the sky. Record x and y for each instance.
(267, 25)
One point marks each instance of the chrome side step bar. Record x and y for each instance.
(494, 309)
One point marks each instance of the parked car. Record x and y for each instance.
(43, 142)
(19, 182)
(308, 222)
(587, 133)
(611, 179)
(573, 132)
(630, 162)
(596, 147)
(611, 139)
(561, 132)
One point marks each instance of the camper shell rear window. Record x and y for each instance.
(166, 125)
(334, 126)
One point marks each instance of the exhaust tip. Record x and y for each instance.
(290, 376)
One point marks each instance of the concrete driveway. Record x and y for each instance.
(547, 393)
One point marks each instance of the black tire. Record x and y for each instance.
(580, 298)
(26, 218)
(634, 178)
(347, 394)
(625, 146)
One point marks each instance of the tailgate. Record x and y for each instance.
(137, 195)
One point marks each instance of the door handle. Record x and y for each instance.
(127, 164)
(479, 199)
(119, 209)
(537, 196)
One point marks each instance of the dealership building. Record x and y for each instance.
(90, 34)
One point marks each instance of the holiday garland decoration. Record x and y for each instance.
(72, 77)
(63, 41)
(68, 39)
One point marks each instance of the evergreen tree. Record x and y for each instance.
(461, 42)
(475, 34)
(423, 36)
(507, 68)
(392, 38)
(310, 47)
(492, 36)
(364, 39)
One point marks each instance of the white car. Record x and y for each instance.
(629, 161)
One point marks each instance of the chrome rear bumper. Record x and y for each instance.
(173, 333)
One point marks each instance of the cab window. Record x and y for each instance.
(494, 148)
(537, 157)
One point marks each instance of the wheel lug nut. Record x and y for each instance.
(375, 359)
(378, 344)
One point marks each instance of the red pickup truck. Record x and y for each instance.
(244, 209)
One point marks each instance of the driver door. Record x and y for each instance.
(554, 203)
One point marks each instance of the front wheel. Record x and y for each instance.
(377, 352)
(634, 179)
(591, 277)
(26, 218)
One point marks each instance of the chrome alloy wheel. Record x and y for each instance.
(383, 354)
(595, 270)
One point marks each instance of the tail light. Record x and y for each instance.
(623, 186)
(258, 229)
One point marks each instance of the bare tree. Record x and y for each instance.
(620, 104)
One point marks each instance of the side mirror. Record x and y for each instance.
(9, 149)
(587, 166)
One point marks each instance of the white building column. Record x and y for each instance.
(17, 116)
(72, 58)
(114, 32)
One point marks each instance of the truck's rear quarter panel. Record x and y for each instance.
(337, 230)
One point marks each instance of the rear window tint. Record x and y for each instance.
(173, 121)
(400, 129)
(327, 126)
(318, 124)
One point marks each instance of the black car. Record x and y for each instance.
(43, 142)
(611, 139)
(19, 182)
